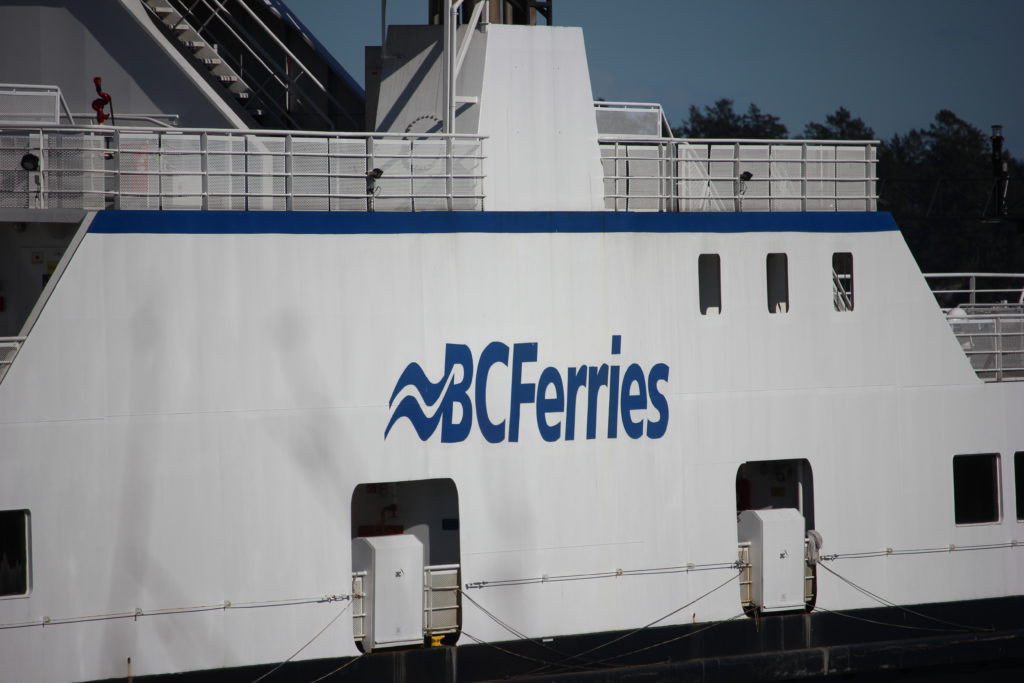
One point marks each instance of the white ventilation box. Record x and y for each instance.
(776, 540)
(393, 587)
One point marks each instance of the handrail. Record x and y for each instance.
(162, 120)
(13, 88)
(840, 296)
(649, 173)
(101, 167)
(951, 295)
(253, 47)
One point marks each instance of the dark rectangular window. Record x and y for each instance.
(777, 267)
(842, 280)
(14, 549)
(709, 274)
(1018, 479)
(976, 488)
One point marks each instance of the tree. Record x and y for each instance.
(839, 126)
(938, 183)
(721, 121)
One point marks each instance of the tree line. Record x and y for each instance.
(939, 182)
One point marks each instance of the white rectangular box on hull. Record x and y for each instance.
(776, 540)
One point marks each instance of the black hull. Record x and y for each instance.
(959, 641)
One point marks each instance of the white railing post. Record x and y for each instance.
(803, 177)
(289, 186)
(369, 167)
(998, 346)
(116, 142)
(449, 172)
(204, 167)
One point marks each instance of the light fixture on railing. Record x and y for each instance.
(371, 180)
(30, 162)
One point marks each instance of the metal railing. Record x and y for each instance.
(32, 104)
(669, 174)
(257, 57)
(154, 168)
(746, 578)
(9, 347)
(993, 342)
(631, 119)
(441, 605)
(842, 295)
(358, 605)
(986, 313)
(977, 289)
(441, 599)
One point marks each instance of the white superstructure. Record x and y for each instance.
(560, 360)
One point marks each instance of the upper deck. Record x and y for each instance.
(166, 168)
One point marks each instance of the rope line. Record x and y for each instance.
(672, 640)
(528, 658)
(348, 663)
(679, 569)
(163, 611)
(907, 627)
(889, 603)
(658, 620)
(522, 636)
(308, 643)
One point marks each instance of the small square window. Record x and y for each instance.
(14, 552)
(976, 488)
(709, 274)
(1018, 482)
(777, 267)
(842, 281)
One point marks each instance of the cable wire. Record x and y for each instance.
(308, 643)
(520, 635)
(346, 664)
(889, 603)
(653, 623)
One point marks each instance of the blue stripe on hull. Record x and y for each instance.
(355, 223)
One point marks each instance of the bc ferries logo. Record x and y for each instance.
(631, 398)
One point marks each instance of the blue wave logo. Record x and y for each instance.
(608, 396)
(433, 402)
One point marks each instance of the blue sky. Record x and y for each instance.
(894, 63)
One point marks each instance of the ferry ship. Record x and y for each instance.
(466, 376)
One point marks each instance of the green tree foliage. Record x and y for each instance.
(839, 126)
(722, 121)
(938, 182)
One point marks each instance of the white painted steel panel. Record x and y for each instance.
(776, 540)
(211, 401)
(393, 587)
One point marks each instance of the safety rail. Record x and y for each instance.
(359, 605)
(670, 174)
(746, 578)
(441, 599)
(993, 342)
(986, 313)
(441, 604)
(9, 347)
(996, 290)
(249, 61)
(32, 104)
(103, 167)
(631, 118)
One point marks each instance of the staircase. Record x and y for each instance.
(265, 62)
